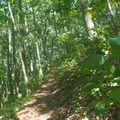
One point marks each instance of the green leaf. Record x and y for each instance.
(116, 53)
(115, 95)
(93, 103)
(109, 68)
(115, 46)
(100, 109)
(112, 69)
(88, 87)
(107, 101)
(115, 41)
(95, 60)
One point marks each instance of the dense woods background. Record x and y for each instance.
(76, 40)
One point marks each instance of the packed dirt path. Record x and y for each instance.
(45, 104)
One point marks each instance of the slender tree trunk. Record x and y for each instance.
(53, 40)
(37, 47)
(24, 72)
(115, 29)
(39, 60)
(2, 91)
(8, 62)
(14, 44)
(15, 67)
(29, 47)
(21, 20)
(55, 24)
(21, 46)
(44, 40)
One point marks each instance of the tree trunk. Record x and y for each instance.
(115, 29)
(37, 47)
(19, 48)
(24, 72)
(29, 47)
(89, 24)
(8, 62)
(39, 60)
(21, 20)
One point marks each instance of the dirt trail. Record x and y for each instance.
(45, 105)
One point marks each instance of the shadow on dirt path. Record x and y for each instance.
(46, 104)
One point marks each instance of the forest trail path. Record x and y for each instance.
(45, 105)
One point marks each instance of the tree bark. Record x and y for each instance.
(37, 47)
(89, 24)
(29, 46)
(8, 62)
(115, 29)
(19, 48)
(21, 20)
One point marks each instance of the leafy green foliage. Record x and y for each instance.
(110, 69)
(115, 46)
(115, 41)
(100, 109)
(10, 107)
(114, 95)
(94, 61)
(100, 88)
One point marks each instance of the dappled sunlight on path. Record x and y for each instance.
(45, 104)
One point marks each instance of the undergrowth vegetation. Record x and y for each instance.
(91, 83)
(11, 105)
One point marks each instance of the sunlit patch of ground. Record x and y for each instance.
(44, 106)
